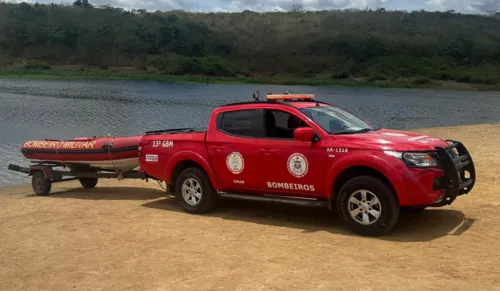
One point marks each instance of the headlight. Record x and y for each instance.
(420, 159)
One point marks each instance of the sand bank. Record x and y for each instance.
(129, 235)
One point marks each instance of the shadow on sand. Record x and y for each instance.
(109, 193)
(411, 227)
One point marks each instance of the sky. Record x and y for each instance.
(462, 6)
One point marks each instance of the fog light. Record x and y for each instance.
(436, 184)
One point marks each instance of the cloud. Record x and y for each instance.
(467, 6)
(270, 5)
(463, 6)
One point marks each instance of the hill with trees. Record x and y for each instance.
(328, 46)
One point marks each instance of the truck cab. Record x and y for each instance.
(292, 148)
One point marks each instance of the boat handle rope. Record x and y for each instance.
(109, 146)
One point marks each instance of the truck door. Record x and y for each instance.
(232, 148)
(289, 167)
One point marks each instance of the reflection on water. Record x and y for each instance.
(63, 109)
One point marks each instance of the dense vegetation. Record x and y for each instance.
(336, 45)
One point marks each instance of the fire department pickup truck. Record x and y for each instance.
(292, 148)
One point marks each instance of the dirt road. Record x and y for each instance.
(128, 236)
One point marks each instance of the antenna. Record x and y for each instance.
(256, 95)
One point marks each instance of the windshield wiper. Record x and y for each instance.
(363, 130)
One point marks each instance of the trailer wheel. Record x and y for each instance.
(367, 206)
(88, 182)
(40, 185)
(195, 192)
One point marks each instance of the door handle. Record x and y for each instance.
(266, 152)
(218, 148)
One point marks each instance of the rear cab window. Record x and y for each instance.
(246, 123)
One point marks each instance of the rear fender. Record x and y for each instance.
(48, 173)
(192, 156)
(390, 171)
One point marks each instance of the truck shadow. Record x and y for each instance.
(412, 227)
(109, 193)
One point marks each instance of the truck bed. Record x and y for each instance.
(177, 130)
(161, 150)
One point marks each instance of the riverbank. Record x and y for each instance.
(127, 234)
(319, 80)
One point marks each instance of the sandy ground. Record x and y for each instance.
(128, 236)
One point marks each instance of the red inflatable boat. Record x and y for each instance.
(110, 153)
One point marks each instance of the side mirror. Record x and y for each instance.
(303, 134)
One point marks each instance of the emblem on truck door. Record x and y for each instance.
(297, 165)
(235, 163)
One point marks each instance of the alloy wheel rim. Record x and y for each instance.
(364, 207)
(191, 191)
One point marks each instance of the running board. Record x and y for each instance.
(277, 199)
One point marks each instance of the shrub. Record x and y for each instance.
(37, 65)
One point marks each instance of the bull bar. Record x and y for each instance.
(455, 161)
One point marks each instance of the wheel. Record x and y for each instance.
(367, 206)
(40, 185)
(88, 182)
(195, 192)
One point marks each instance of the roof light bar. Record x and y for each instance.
(290, 97)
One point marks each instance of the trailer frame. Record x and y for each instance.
(43, 175)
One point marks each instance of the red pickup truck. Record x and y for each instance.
(292, 148)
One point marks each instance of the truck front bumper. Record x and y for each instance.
(459, 172)
(440, 186)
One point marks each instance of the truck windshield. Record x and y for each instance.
(335, 120)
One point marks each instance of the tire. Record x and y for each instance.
(40, 185)
(88, 183)
(195, 180)
(387, 205)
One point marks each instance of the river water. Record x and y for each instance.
(63, 109)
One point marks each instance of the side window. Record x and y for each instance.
(281, 124)
(244, 123)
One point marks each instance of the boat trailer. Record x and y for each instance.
(43, 175)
